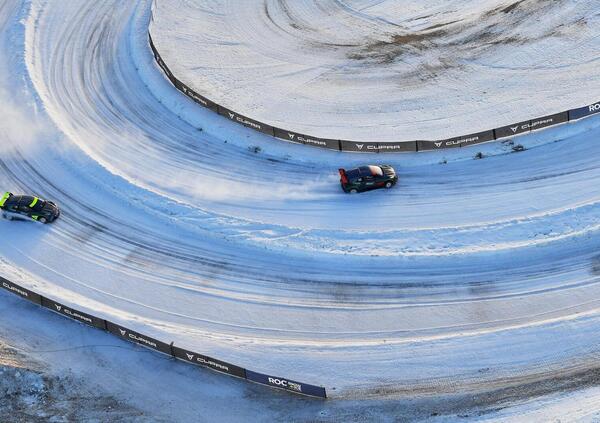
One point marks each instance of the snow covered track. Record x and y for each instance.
(472, 275)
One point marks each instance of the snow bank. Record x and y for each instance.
(386, 70)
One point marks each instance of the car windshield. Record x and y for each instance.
(38, 206)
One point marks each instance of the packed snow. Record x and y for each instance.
(470, 277)
(385, 70)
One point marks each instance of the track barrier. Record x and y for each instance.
(187, 356)
(373, 146)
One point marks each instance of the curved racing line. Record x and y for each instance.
(470, 275)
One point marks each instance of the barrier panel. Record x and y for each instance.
(20, 291)
(584, 111)
(512, 130)
(306, 139)
(138, 338)
(456, 142)
(205, 361)
(550, 120)
(162, 347)
(80, 316)
(203, 101)
(246, 121)
(374, 146)
(397, 147)
(288, 385)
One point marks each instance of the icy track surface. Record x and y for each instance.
(470, 275)
(385, 70)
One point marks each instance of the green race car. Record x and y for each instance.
(26, 206)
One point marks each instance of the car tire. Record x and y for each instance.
(388, 184)
(353, 191)
(42, 220)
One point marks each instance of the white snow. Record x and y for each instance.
(469, 276)
(386, 70)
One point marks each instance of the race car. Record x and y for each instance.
(26, 206)
(366, 178)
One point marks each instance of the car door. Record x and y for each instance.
(359, 184)
(369, 182)
(12, 209)
(380, 181)
(23, 208)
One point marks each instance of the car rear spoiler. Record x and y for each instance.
(343, 176)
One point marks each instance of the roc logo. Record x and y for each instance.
(285, 384)
(359, 146)
(595, 107)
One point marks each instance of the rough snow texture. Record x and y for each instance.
(59, 371)
(32, 390)
(470, 276)
(387, 70)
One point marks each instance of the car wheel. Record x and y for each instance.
(353, 191)
(42, 220)
(388, 184)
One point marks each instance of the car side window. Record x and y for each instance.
(22, 207)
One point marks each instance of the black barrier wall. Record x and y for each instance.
(374, 146)
(162, 347)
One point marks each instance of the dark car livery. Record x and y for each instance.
(20, 206)
(366, 178)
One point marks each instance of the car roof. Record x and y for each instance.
(375, 170)
(353, 174)
(14, 200)
(370, 170)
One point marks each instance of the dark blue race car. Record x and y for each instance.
(366, 178)
(28, 207)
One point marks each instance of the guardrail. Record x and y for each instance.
(182, 354)
(519, 128)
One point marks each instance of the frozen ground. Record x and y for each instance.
(57, 370)
(473, 276)
(385, 70)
